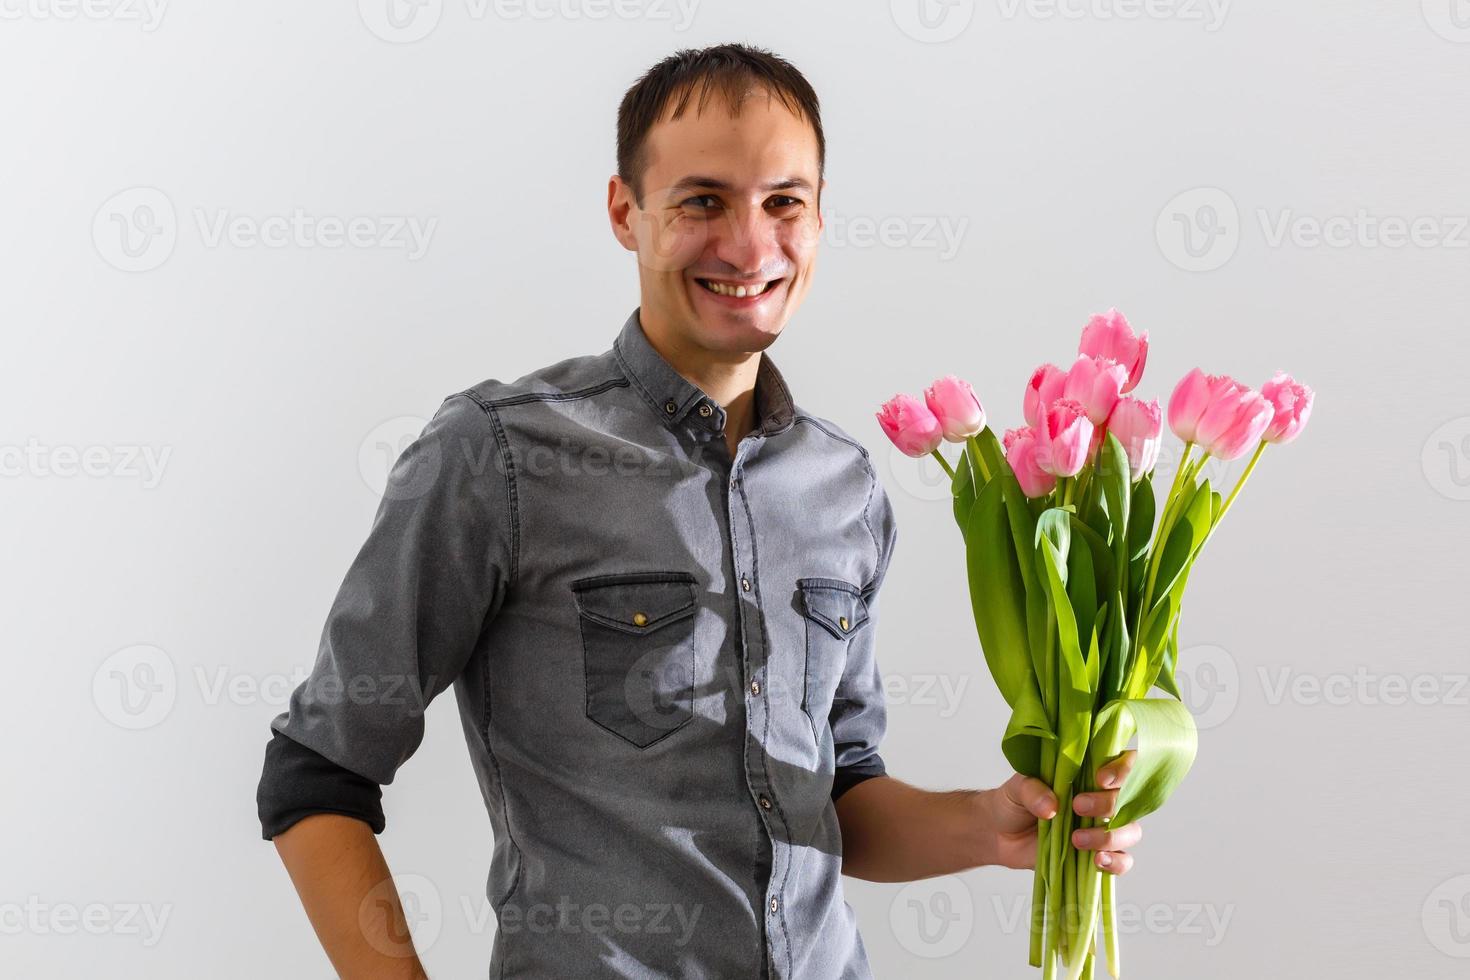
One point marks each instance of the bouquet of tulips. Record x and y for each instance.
(1077, 574)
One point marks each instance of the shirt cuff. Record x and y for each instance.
(297, 782)
(847, 777)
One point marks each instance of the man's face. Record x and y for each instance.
(729, 206)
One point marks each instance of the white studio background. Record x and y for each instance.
(195, 414)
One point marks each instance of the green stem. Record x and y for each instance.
(978, 457)
(1038, 891)
(1179, 472)
(1255, 458)
(942, 461)
(1110, 926)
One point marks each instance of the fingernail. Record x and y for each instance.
(1107, 780)
(1105, 859)
(1083, 804)
(1079, 839)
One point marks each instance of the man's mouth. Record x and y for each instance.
(739, 290)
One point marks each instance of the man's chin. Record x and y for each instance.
(744, 320)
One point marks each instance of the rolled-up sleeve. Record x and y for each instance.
(404, 623)
(859, 715)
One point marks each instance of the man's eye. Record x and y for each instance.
(783, 203)
(702, 202)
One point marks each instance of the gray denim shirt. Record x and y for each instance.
(663, 658)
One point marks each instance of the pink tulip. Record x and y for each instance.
(1293, 404)
(1138, 425)
(910, 424)
(1108, 335)
(1064, 436)
(1045, 387)
(1192, 395)
(953, 402)
(1234, 421)
(1096, 383)
(1023, 453)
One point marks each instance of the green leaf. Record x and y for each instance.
(963, 489)
(1055, 525)
(1112, 472)
(1140, 532)
(991, 451)
(1141, 517)
(1115, 649)
(1165, 681)
(1074, 694)
(1026, 733)
(1082, 587)
(1023, 525)
(1185, 537)
(1167, 741)
(997, 594)
(1152, 637)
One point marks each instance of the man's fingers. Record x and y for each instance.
(1107, 838)
(1113, 862)
(1097, 804)
(1031, 795)
(1113, 774)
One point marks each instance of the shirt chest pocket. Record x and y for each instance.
(638, 650)
(833, 612)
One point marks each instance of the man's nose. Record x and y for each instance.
(746, 240)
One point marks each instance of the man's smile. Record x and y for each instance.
(741, 293)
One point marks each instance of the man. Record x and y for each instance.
(652, 580)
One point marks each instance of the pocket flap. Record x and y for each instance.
(637, 602)
(838, 606)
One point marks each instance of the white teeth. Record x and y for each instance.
(739, 292)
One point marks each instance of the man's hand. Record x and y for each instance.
(1011, 810)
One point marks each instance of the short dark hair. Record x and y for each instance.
(730, 70)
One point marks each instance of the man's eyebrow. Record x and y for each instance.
(698, 182)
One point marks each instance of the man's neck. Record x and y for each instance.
(729, 379)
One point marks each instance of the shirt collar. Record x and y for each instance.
(680, 402)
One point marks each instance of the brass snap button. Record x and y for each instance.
(640, 619)
(843, 621)
(705, 411)
(671, 407)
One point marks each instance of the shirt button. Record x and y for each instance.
(745, 583)
(765, 802)
(640, 619)
(671, 407)
(775, 904)
(704, 410)
(755, 687)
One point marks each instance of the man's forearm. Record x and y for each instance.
(892, 831)
(345, 886)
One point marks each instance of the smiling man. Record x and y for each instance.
(652, 579)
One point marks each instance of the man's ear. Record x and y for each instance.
(620, 206)
(821, 189)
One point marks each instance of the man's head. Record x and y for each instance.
(720, 159)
